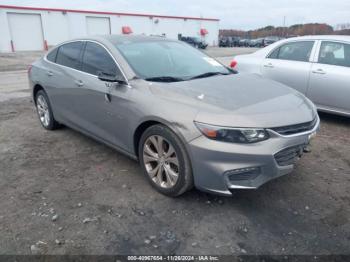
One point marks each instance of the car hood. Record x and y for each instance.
(240, 100)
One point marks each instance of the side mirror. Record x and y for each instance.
(233, 71)
(111, 78)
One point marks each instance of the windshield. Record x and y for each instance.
(168, 60)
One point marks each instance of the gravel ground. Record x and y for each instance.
(63, 193)
(105, 206)
(18, 60)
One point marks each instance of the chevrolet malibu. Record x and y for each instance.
(189, 120)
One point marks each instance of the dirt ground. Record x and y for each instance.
(78, 196)
(18, 60)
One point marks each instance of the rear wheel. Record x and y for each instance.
(44, 111)
(165, 162)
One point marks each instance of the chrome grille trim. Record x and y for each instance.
(295, 129)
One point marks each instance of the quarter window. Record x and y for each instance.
(333, 53)
(96, 59)
(296, 51)
(69, 55)
(274, 54)
(52, 55)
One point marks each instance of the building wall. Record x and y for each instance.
(58, 26)
(5, 38)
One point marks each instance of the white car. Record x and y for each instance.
(317, 66)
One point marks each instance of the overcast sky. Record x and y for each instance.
(236, 14)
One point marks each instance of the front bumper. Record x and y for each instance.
(219, 167)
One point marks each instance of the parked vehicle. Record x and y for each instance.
(316, 66)
(229, 41)
(235, 41)
(243, 42)
(224, 42)
(188, 119)
(270, 40)
(195, 41)
(259, 42)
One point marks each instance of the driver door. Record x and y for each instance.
(101, 104)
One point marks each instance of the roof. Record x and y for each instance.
(105, 13)
(323, 37)
(122, 39)
(119, 39)
(115, 39)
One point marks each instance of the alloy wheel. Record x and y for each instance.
(161, 161)
(43, 110)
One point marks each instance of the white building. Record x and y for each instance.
(30, 28)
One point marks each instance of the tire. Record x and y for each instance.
(163, 179)
(44, 111)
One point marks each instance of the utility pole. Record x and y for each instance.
(284, 27)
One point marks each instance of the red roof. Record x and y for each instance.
(103, 12)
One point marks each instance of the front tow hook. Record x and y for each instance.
(307, 149)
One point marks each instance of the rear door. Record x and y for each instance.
(290, 64)
(61, 81)
(330, 77)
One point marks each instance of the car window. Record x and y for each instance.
(69, 54)
(333, 53)
(52, 55)
(168, 58)
(274, 54)
(96, 59)
(295, 51)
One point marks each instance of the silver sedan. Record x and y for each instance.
(189, 120)
(316, 66)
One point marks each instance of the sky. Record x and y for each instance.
(233, 14)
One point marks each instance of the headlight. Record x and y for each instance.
(233, 135)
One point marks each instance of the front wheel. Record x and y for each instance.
(165, 162)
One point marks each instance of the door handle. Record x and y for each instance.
(269, 65)
(319, 71)
(49, 73)
(79, 83)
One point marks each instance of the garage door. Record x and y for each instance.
(26, 31)
(98, 25)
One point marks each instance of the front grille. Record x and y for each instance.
(294, 129)
(289, 155)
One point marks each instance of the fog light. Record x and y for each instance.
(248, 173)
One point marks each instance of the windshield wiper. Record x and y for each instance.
(208, 74)
(164, 79)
